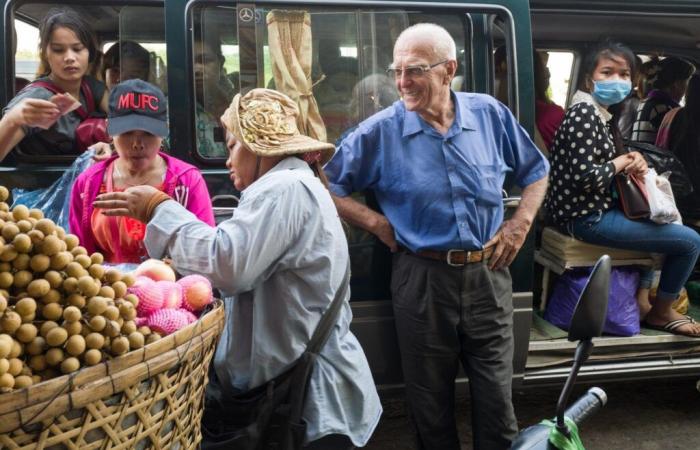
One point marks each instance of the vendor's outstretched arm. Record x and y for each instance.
(360, 215)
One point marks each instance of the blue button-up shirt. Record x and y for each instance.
(438, 191)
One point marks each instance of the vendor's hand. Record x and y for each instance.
(637, 164)
(34, 112)
(103, 151)
(508, 240)
(385, 232)
(132, 202)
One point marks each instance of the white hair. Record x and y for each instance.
(429, 34)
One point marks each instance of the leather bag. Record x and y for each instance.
(269, 416)
(634, 200)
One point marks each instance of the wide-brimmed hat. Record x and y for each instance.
(266, 122)
(137, 105)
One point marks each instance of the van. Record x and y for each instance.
(204, 51)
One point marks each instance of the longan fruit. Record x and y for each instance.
(128, 327)
(75, 270)
(5, 345)
(21, 262)
(94, 340)
(4, 207)
(4, 293)
(56, 336)
(46, 326)
(25, 306)
(120, 345)
(60, 232)
(143, 329)
(5, 266)
(46, 226)
(36, 347)
(36, 236)
(10, 322)
(129, 279)
(20, 212)
(70, 285)
(52, 311)
(83, 260)
(51, 245)
(92, 357)
(96, 270)
(22, 242)
(119, 288)
(97, 258)
(40, 263)
(4, 194)
(151, 338)
(97, 305)
(75, 345)
(7, 382)
(60, 260)
(71, 241)
(15, 367)
(136, 340)
(36, 213)
(8, 253)
(9, 231)
(70, 365)
(97, 323)
(79, 250)
(76, 300)
(54, 356)
(72, 314)
(3, 303)
(36, 379)
(112, 275)
(132, 298)
(23, 381)
(54, 296)
(26, 333)
(112, 328)
(23, 278)
(24, 225)
(38, 288)
(4, 366)
(6, 280)
(38, 363)
(111, 312)
(17, 349)
(54, 278)
(28, 318)
(88, 286)
(106, 291)
(73, 328)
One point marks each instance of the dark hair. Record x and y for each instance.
(685, 127)
(127, 50)
(64, 18)
(668, 71)
(606, 49)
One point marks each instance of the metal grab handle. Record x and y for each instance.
(222, 197)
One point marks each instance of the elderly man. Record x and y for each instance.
(436, 162)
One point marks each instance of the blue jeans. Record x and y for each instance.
(680, 244)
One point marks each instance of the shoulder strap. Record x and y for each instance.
(89, 99)
(46, 85)
(330, 317)
(84, 88)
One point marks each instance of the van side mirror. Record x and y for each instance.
(590, 312)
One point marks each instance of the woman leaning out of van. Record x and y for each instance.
(137, 122)
(579, 200)
(67, 48)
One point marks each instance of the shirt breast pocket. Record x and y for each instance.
(490, 185)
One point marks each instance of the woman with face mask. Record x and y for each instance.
(668, 79)
(580, 199)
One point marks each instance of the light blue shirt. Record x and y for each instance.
(439, 191)
(282, 256)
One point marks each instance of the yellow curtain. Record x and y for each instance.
(289, 39)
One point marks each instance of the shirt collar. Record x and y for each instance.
(585, 97)
(413, 123)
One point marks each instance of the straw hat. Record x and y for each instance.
(266, 121)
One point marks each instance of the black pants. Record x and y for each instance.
(446, 315)
(331, 442)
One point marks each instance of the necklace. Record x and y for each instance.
(139, 181)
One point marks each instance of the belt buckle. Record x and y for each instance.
(449, 258)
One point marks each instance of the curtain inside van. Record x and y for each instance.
(289, 40)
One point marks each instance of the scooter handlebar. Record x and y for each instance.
(587, 405)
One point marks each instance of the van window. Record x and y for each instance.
(560, 65)
(26, 53)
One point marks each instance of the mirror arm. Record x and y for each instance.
(583, 351)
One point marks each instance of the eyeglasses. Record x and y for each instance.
(412, 71)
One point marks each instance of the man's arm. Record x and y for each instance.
(512, 234)
(360, 215)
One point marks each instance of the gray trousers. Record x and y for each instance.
(446, 315)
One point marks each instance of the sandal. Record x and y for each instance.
(673, 326)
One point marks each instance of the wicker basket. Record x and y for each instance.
(148, 398)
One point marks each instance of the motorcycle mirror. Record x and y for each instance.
(590, 312)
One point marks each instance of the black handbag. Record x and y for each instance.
(634, 201)
(269, 416)
(665, 161)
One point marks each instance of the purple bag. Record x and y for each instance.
(623, 311)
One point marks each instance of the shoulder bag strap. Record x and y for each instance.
(330, 316)
(53, 88)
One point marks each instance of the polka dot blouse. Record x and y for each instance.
(581, 165)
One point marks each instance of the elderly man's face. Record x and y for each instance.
(421, 92)
(240, 163)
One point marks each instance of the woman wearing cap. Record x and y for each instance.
(137, 122)
(283, 255)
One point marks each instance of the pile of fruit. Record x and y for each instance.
(60, 308)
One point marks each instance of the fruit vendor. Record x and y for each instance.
(283, 255)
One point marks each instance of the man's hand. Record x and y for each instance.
(508, 240)
(133, 202)
(385, 232)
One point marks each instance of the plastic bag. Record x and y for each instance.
(623, 312)
(54, 200)
(660, 195)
